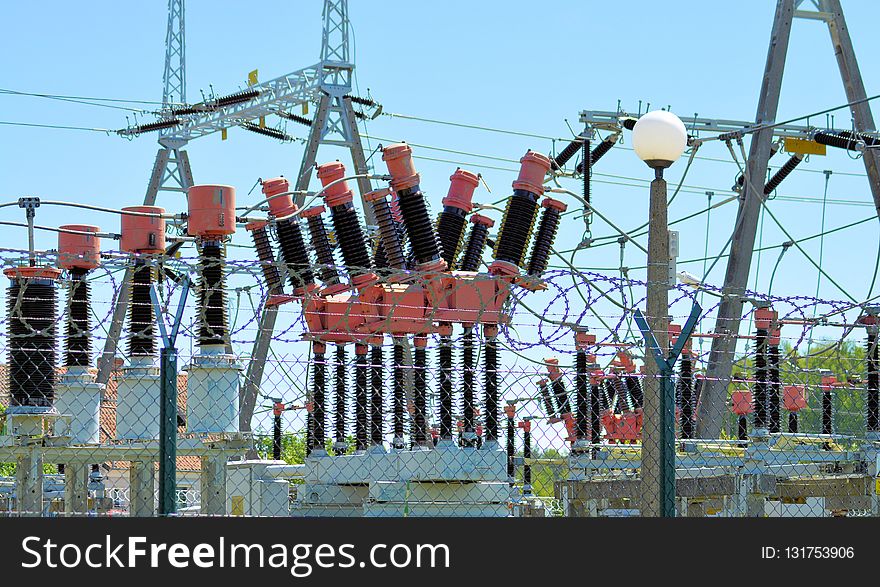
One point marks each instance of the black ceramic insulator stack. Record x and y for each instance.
(389, 238)
(582, 396)
(141, 341)
(420, 395)
(213, 326)
(444, 356)
(450, 231)
(340, 381)
(310, 431)
(276, 436)
(516, 227)
(742, 428)
(783, 172)
(377, 361)
(399, 395)
(350, 237)
(629, 123)
(558, 162)
(621, 393)
(598, 152)
(78, 330)
(527, 454)
(872, 403)
(561, 395)
(360, 401)
(837, 140)
(761, 339)
(862, 136)
(323, 250)
(588, 171)
(418, 225)
(546, 398)
(635, 390)
(31, 308)
(473, 251)
(467, 380)
(380, 259)
(317, 438)
(293, 249)
(263, 245)
(595, 412)
(774, 391)
(608, 392)
(544, 238)
(490, 352)
(686, 388)
(828, 411)
(511, 450)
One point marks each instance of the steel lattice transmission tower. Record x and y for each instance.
(721, 357)
(328, 84)
(171, 170)
(174, 87)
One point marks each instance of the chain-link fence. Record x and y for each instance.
(528, 404)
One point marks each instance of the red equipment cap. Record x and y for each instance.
(461, 190)
(330, 172)
(80, 249)
(398, 158)
(279, 205)
(143, 234)
(211, 211)
(533, 167)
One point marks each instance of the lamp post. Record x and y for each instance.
(659, 138)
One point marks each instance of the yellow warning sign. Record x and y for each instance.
(803, 146)
(305, 107)
(252, 78)
(237, 505)
(877, 486)
(223, 134)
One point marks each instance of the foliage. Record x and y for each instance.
(844, 359)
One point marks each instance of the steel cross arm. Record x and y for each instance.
(169, 338)
(610, 120)
(282, 93)
(668, 363)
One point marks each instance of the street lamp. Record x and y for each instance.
(659, 138)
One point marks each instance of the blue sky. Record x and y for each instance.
(509, 65)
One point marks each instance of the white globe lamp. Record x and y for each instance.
(659, 138)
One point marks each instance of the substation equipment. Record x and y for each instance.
(54, 414)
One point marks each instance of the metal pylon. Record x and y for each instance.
(171, 170)
(334, 123)
(728, 321)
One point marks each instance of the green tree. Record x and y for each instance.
(843, 359)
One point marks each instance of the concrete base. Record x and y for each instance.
(250, 491)
(441, 464)
(445, 481)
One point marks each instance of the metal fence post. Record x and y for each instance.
(168, 403)
(666, 366)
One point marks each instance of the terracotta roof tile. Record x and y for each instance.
(108, 414)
